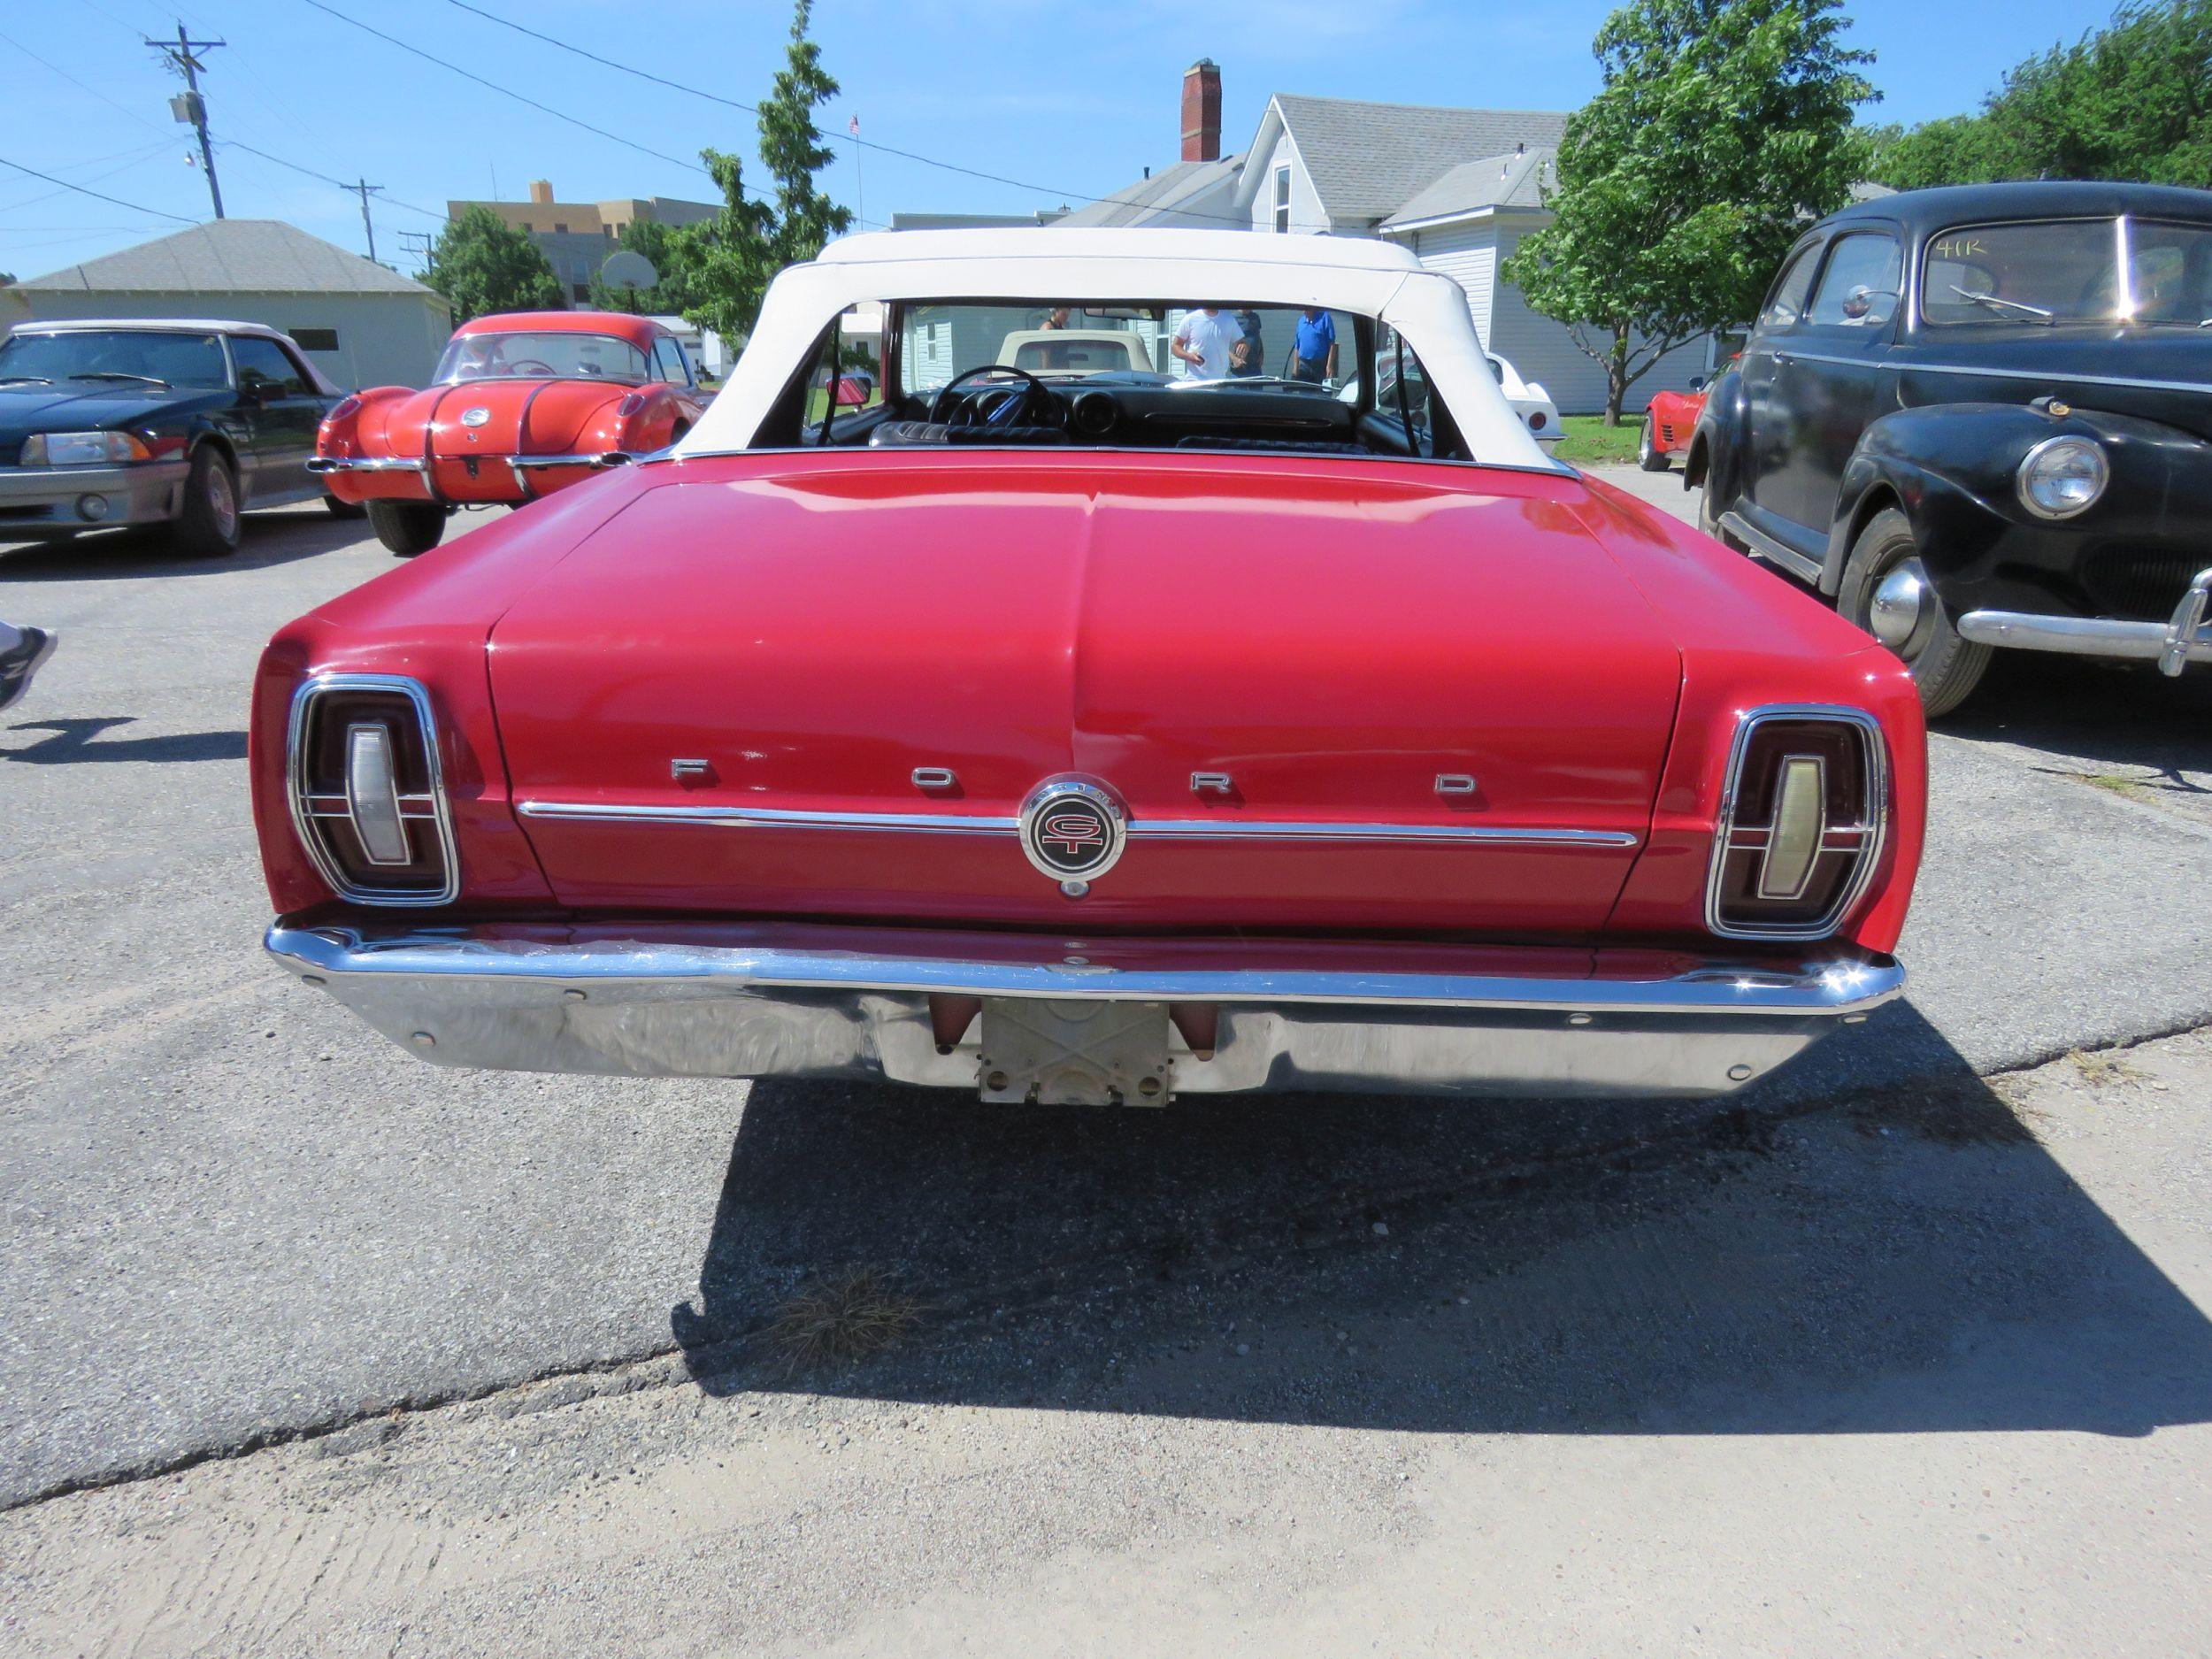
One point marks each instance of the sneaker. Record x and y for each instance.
(22, 660)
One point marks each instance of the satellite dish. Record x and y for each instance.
(628, 270)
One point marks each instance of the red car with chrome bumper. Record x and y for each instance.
(523, 404)
(1071, 759)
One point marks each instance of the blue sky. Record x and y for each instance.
(1074, 99)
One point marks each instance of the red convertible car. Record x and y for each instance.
(521, 404)
(1095, 738)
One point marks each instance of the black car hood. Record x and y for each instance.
(97, 405)
(2158, 374)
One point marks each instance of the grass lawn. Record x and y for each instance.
(1588, 439)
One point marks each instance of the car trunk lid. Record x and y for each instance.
(1360, 696)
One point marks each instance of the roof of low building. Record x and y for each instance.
(1508, 181)
(1155, 196)
(1367, 160)
(230, 256)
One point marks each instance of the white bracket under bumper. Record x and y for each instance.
(2174, 644)
(703, 1000)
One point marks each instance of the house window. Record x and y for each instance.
(561, 230)
(1282, 199)
(315, 339)
(526, 224)
(582, 290)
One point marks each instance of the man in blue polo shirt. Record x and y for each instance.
(1315, 356)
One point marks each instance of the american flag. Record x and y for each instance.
(853, 126)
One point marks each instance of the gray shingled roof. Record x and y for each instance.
(1367, 160)
(1507, 181)
(1155, 197)
(230, 256)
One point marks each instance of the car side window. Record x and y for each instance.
(1859, 284)
(1785, 305)
(263, 365)
(668, 360)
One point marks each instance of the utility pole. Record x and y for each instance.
(364, 190)
(415, 244)
(190, 105)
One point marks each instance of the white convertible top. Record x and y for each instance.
(1367, 278)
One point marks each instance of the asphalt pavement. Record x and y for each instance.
(236, 1216)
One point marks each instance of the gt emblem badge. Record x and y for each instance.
(475, 416)
(1072, 831)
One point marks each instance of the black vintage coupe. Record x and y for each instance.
(124, 422)
(1982, 416)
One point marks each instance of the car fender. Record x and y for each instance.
(1715, 457)
(1952, 470)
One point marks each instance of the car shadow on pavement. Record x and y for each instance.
(2080, 709)
(71, 742)
(268, 540)
(1900, 1260)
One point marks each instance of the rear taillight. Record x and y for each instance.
(1801, 822)
(368, 797)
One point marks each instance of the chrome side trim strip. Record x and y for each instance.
(1787, 556)
(597, 457)
(1261, 830)
(1155, 829)
(775, 818)
(2050, 377)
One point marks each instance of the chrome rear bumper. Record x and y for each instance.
(2175, 643)
(698, 1000)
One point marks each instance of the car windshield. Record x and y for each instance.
(546, 356)
(2067, 271)
(1252, 346)
(123, 356)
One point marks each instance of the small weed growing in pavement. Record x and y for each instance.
(836, 1321)
(2115, 783)
(2098, 1068)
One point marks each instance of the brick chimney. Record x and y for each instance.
(1201, 111)
(542, 192)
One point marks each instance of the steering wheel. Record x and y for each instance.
(1029, 404)
(531, 365)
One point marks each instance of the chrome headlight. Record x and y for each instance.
(82, 449)
(2063, 476)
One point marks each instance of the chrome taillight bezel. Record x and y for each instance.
(433, 810)
(1873, 826)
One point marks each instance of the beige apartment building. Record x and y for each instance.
(577, 236)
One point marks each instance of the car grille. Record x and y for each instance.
(2142, 584)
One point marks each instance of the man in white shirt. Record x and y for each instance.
(1202, 340)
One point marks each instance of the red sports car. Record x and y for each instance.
(1668, 420)
(1095, 737)
(522, 403)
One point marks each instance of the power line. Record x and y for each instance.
(72, 81)
(136, 158)
(228, 142)
(470, 75)
(864, 143)
(112, 201)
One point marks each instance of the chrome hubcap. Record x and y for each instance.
(1903, 610)
(222, 503)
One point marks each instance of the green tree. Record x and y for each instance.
(482, 264)
(657, 243)
(2130, 100)
(727, 262)
(1721, 127)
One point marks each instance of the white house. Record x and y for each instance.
(359, 323)
(1459, 186)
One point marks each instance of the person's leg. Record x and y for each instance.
(21, 652)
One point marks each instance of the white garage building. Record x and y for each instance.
(360, 324)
